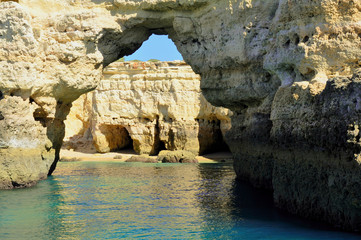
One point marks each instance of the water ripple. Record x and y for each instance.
(88, 200)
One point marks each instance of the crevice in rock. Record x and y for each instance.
(1, 97)
(158, 145)
(12, 94)
(296, 39)
(305, 39)
(15, 184)
(287, 43)
(196, 41)
(67, 60)
(274, 10)
(171, 139)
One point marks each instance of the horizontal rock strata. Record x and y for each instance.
(152, 106)
(288, 70)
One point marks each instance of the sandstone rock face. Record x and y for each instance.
(23, 159)
(153, 106)
(38, 84)
(288, 70)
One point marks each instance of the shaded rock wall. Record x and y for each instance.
(153, 106)
(277, 64)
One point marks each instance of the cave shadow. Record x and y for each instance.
(234, 201)
(117, 136)
(211, 141)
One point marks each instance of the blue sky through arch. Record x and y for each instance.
(156, 47)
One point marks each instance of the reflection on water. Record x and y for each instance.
(31, 213)
(151, 201)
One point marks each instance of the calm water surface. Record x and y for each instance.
(94, 200)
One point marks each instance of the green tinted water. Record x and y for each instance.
(88, 200)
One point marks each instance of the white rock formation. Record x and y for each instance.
(154, 106)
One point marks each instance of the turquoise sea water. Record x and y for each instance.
(94, 200)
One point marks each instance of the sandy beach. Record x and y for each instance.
(122, 156)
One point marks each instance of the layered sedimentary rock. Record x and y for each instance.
(150, 105)
(288, 70)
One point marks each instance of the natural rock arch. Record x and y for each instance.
(284, 67)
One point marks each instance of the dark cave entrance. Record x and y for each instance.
(117, 137)
(211, 138)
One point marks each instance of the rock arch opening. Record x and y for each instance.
(151, 103)
(156, 48)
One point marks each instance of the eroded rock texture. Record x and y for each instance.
(288, 69)
(150, 107)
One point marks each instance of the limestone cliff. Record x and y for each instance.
(288, 70)
(151, 105)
